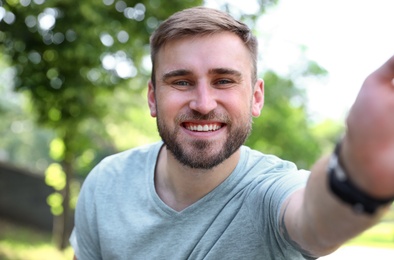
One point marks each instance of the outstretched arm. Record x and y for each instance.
(316, 219)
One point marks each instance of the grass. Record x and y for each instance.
(26, 243)
(380, 235)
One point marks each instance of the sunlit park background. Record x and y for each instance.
(73, 80)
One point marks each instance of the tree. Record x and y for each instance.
(68, 57)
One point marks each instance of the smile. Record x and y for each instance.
(202, 127)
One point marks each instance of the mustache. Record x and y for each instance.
(196, 116)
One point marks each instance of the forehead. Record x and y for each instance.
(200, 54)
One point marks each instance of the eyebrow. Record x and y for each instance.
(176, 73)
(225, 71)
(185, 72)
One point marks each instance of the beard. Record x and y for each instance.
(204, 154)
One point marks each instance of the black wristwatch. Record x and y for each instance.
(346, 191)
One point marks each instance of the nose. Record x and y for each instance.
(203, 100)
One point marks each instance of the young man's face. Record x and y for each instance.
(204, 99)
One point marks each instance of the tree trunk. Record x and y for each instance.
(62, 224)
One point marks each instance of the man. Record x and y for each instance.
(200, 194)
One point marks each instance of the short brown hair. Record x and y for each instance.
(201, 21)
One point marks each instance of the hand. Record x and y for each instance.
(368, 149)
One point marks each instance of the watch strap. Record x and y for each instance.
(346, 191)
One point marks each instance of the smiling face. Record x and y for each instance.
(204, 98)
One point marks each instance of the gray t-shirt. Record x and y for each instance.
(120, 216)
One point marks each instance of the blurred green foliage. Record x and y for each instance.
(19, 242)
(21, 141)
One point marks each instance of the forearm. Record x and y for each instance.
(332, 221)
(324, 222)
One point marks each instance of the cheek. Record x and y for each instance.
(168, 106)
(239, 114)
(241, 104)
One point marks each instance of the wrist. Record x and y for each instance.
(343, 186)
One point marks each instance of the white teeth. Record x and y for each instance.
(204, 128)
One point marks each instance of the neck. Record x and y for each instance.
(180, 186)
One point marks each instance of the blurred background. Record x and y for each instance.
(73, 77)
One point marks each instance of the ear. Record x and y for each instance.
(152, 99)
(258, 98)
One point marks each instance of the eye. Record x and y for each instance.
(181, 83)
(224, 83)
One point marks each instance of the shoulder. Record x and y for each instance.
(145, 152)
(265, 163)
(129, 159)
(120, 167)
(271, 175)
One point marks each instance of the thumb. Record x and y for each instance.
(386, 71)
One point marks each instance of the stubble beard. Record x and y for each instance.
(204, 154)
